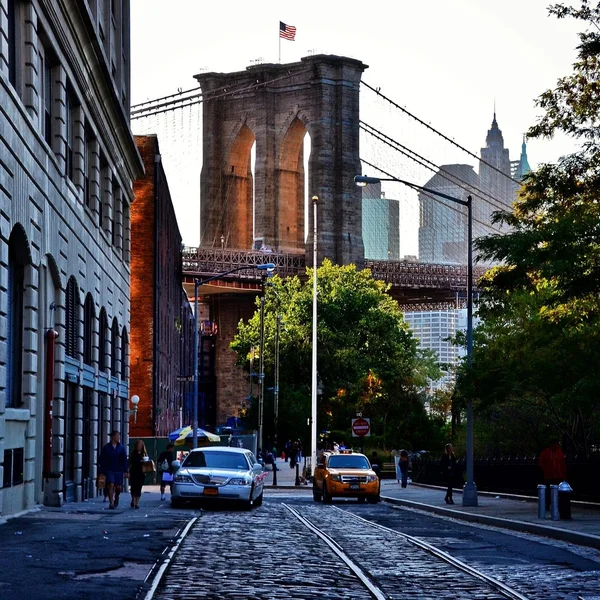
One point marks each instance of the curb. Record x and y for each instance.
(565, 535)
(505, 495)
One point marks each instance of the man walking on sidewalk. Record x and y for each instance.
(113, 465)
(554, 467)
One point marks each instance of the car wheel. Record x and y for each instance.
(361, 499)
(317, 496)
(374, 499)
(259, 500)
(326, 495)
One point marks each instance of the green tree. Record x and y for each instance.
(537, 351)
(368, 359)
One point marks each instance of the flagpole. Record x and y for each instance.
(279, 42)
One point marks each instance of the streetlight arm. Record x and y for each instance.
(362, 180)
(263, 267)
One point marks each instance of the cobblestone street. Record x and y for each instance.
(269, 553)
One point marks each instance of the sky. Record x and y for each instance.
(447, 61)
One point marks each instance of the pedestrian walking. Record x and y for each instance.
(554, 467)
(288, 450)
(294, 452)
(403, 464)
(137, 475)
(376, 463)
(448, 464)
(113, 465)
(165, 464)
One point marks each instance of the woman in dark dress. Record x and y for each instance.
(448, 464)
(136, 474)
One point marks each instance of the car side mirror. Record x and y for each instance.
(257, 467)
(176, 464)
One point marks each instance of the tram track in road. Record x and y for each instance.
(439, 576)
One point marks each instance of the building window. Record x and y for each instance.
(13, 467)
(12, 43)
(69, 134)
(124, 352)
(71, 320)
(114, 347)
(116, 199)
(46, 93)
(103, 325)
(89, 316)
(87, 170)
(104, 180)
(15, 289)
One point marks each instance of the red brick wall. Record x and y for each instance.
(232, 383)
(142, 291)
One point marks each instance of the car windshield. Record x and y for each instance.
(217, 460)
(348, 461)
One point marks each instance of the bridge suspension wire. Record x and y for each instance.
(222, 92)
(153, 100)
(454, 208)
(458, 181)
(439, 133)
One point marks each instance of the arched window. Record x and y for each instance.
(124, 353)
(17, 253)
(114, 342)
(89, 315)
(103, 330)
(71, 318)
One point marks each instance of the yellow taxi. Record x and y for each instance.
(345, 475)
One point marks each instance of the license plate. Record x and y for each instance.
(354, 486)
(210, 491)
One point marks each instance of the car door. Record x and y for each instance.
(257, 477)
(320, 474)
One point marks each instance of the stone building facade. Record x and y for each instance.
(161, 316)
(67, 166)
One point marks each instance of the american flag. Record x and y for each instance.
(287, 32)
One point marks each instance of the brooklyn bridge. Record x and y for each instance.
(274, 135)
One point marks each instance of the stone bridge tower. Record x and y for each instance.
(275, 105)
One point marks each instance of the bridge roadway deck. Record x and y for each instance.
(410, 281)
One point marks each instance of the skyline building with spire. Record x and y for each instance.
(443, 224)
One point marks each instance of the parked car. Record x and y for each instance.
(345, 475)
(219, 473)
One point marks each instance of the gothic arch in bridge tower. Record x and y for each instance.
(236, 217)
(289, 192)
(277, 105)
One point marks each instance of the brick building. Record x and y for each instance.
(161, 317)
(67, 165)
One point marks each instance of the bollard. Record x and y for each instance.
(565, 492)
(554, 503)
(541, 501)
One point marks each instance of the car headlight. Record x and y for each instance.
(371, 478)
(239, 481)
(336, 478)
(180, 478)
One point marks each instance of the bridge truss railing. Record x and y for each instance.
(208, 261)
(422, 275)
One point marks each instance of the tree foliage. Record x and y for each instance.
(537, 352)
(368, 360)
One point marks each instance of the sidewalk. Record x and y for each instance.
(83, 550)
(518, 515)
(286, 477)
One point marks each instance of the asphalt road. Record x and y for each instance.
(87, 552)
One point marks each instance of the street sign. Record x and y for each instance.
(361, 427)
(185, 378)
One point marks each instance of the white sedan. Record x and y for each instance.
(219, 473)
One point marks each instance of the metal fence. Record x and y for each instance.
(517, 475)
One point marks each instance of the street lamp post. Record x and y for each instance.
(261, 372)
(269, 268)
(469, 496)
(313, 420)
(135, 400)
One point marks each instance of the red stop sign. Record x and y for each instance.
(360, 427)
